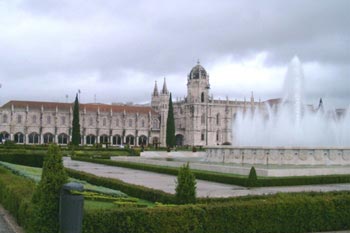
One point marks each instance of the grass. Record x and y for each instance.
(35, 175)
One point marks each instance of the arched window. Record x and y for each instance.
(19, 138)
(90, 139)
(63, 138)
(117, 140)
(130, 140)
(142, 140)
(155, 124)
(4, 136)
(33, 138)
(203, 119)
(202, 97)
(104, 138)
(4, 118)
(48, 138)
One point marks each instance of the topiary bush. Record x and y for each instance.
(45, 218)
(252, 178)
(185, 186)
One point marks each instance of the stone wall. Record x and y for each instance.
(278, 155)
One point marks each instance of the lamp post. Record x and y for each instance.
(207, 117)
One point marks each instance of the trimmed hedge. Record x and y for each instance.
(23, 158)
(138, 191)
(15, 196)
(228, 178)
(282, 213)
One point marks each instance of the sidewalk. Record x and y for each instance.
(7, 223)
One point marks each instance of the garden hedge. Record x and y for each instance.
(229, 178)
(138, 191)
(15, 196)
(305, 212)
(282, 213)
(23, 158)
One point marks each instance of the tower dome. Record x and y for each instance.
(198, 72)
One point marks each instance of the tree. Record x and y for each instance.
(45, 217)
(252, 178)
(76, 124)
(185, 186)
(170, 125)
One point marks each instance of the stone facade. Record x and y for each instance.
(199, 119)
(31, 122)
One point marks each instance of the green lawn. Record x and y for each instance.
(35, 174)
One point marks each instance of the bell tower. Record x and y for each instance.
(198, 85)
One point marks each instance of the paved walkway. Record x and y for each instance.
(7, 223)
(204, 188)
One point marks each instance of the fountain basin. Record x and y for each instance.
(278, 155)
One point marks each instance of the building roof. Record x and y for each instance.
(198, 72)
(88, 107)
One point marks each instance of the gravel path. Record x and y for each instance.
(204, 188)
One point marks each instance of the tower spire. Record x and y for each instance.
(165, 89)
(155, 90)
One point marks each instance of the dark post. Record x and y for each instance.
(71, 208)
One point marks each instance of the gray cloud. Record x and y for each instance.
(42, 41)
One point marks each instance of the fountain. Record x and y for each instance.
(288, 133)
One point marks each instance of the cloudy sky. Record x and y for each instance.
(113, 51)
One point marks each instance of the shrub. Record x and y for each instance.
(23, 158)
(252, 178)
(15, 195)
(185, 186)
(281, 213)
(45, 217)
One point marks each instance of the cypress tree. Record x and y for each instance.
(76, 124)
(170, 125)
(45, 217)
(252, 178)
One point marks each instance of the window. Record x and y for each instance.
(4, 119)
(48, 119)
(104, 121)
(202, 97)
(117, 122)
(130, 122)
(218, 119)
(19, 138)
(91, 121)
(155, 124)
(63, 120)
(34, 119)
(63, 139)
(217, 135)
(202, 136)
(143, 123)
(19, 119)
